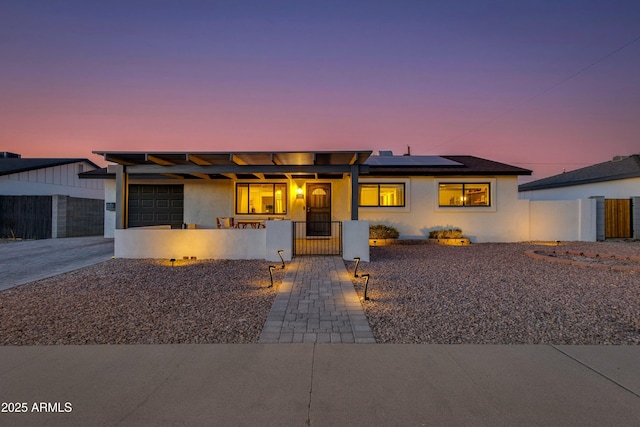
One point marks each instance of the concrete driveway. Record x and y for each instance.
(30, 260)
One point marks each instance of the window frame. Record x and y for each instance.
(378, 184)
(285, 199)
(464, 184)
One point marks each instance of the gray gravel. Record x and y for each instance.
(483, 293)
(494, 294)
(141, 302)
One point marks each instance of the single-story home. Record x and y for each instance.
(614, 184)
(252, 204)
(45, 198)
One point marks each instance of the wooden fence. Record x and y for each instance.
(617, 218)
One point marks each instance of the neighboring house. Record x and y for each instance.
(44, 198)
(614, 184)
(153, 194)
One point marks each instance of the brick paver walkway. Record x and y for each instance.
(316, 303)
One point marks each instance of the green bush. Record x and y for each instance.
(449, 233)
(382, 232)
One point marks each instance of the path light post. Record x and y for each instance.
(280, 252)
(173, 260)
(366, 284)
(271, 268)
(355, 271)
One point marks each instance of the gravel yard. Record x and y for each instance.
(482, 294)
(494, 294)
(142, 302)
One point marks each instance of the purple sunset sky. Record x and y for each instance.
(544, 85)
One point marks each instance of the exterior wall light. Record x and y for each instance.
(299, 194)
(366, 285)
(280, 252)
(355, 270)
(271, 268)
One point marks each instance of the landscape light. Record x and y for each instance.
(366, 284)
(172, 261)
(355, 270)
(271, 268)
(280, 252)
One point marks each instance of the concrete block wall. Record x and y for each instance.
(635, 216)
(76, 217)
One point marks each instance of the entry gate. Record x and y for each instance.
(617, 218)
(317, 238)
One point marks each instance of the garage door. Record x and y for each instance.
(156, 205)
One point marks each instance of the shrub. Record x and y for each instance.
(449, 233)
(382, 232)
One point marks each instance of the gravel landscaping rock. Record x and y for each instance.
(478, 294)
(495, 294)
(142, 302)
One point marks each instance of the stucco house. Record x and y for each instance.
(171, 204)
(45, 197)
(615, 186)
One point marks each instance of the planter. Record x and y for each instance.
(382, 242)
(452, 242)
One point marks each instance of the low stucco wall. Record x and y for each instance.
(355, 240)
(162, 242)
(203, 244)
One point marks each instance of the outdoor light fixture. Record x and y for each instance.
(366, 284)
(300, 194)
(280, 252)
(271, 268)
(355, 270)
(173, 260)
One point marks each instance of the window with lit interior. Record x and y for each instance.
(261, 199)
(464, 194)
(381, 195)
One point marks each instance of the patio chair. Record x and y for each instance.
(225, 222)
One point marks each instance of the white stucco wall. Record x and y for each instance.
(204, 201)
(152, 242)
(501, 222)
(355, 240)
(564, 220)
(618, 189)
(62, 180)
(109, 216)
(279, 237)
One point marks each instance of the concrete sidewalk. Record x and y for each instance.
(30, 260)
(322, 385)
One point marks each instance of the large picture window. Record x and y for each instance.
(261, 198)
(388, 194)
(464, 194)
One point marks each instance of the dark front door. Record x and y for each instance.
(318, 209)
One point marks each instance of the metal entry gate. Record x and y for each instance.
(617, 218)
(307, 241)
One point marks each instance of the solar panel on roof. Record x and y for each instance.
(414, 161)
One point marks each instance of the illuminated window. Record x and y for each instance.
(464, 194)
(261, 199)
(381, 195)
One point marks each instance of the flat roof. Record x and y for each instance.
(243, 158)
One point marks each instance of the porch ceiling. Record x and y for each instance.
(229, 165)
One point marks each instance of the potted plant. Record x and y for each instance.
(382, 235)
(448, 236)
